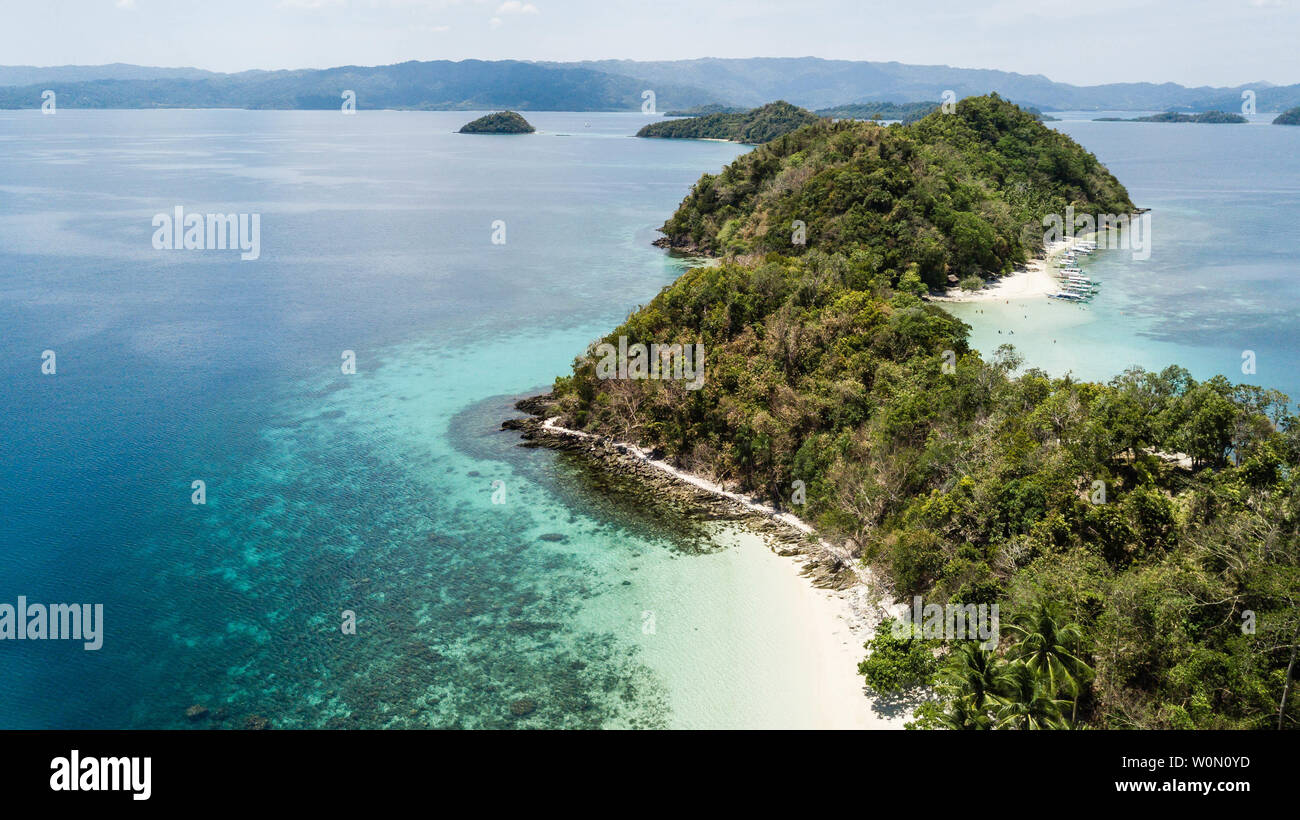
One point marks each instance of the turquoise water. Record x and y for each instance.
(369, 492)
(1222, 277)
(373, 492)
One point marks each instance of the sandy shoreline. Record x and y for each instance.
(1034, 280)
(837, 621)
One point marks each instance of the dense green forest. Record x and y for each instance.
(502, 122)
(1291, 117)
(1210, 117)
(701, 110)
(1142, 537)
(958, 194)
(756, 126)
(904, 112)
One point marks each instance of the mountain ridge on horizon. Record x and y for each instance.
(602, 85)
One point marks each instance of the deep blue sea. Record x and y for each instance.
(372, 492)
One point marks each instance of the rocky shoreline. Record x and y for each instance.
(825, 565)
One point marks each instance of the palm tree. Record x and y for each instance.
(1044, 644)
(1027, 702)
(975, 673)
(962, 714)
(972, 678)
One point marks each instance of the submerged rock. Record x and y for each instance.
(256, 723)
(196, 713)
(523, 706)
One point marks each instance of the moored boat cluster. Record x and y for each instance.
(1075, 287)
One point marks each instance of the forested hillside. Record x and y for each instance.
(951, 194)
(1142, 537)
(756, 126)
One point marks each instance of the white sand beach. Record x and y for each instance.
(1034, 280)
(825, 629)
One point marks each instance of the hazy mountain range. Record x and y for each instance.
(604, 85)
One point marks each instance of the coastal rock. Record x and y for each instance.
(256, 723)
(534, 405)
(827, 567)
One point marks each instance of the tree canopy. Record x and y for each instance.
(1142, 536)
(952, 194)
(755, 126)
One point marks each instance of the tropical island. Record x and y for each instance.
(1291, 117)
(502, 122)
(1210, 117)
(902, 112)
(905, 113)
(1142, 536)
(701, 110)
(755, 126)
(918, 202)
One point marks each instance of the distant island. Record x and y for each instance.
(1291, 117)
(905, 112)
(1212, 117)
(603, 85)
(754, 127)
(502, 122)
(701, 110)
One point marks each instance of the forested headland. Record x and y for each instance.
(1142, 536)
(1291, 117)
(755, 126)
(1209, 117)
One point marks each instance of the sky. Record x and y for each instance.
(1192, 42)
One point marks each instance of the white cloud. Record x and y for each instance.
(516, 7)
(311, 4)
